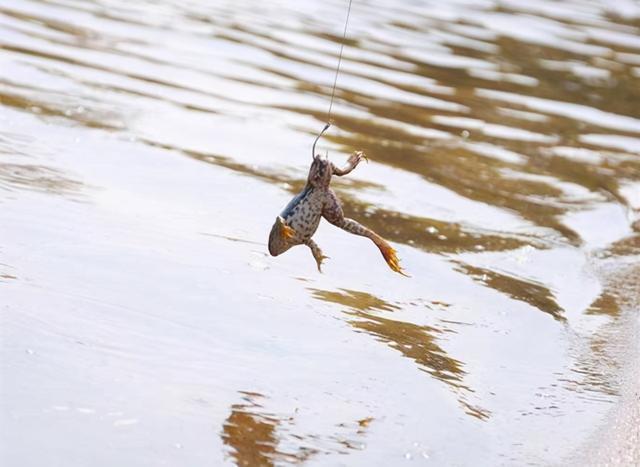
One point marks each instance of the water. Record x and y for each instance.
(146, 147)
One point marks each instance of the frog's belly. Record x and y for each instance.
(305, 227)
(304, 218)
(303, 213)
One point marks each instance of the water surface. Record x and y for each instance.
(146, 147)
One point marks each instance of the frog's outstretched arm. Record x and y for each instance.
(317, 253)
(352, 163)
(333, 213)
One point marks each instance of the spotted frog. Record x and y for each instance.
(300, 218)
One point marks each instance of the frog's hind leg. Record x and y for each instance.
(333, 213)
(317, 253)
(388, 252)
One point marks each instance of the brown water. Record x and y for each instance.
(146, 147)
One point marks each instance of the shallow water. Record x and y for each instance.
(146, 147)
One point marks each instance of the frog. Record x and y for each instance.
(299, 220)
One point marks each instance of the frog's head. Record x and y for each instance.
(320, 172)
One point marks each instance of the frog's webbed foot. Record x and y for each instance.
(281, 238)
(390, 255)
(287, 232)
(317, 253)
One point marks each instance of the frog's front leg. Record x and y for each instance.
(352, 163)
(332, 211)
(317, 253)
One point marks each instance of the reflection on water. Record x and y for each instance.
(36, 177)
(606, 304)
(415, 342)
(629, 246)
(527, 291)
(460, 117)
(400, 119)
(361, 301)
(19, 171)
(256, 437)
(490, 126)
(252, 436)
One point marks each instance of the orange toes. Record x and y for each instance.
(288, 232)
(391, 257)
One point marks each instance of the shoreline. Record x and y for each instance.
(616, 441)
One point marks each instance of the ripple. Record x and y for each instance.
(415, 342)
(490, 126)
(255, 436)
(625, 143)
(566, 109)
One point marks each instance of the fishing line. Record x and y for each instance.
(335, 80)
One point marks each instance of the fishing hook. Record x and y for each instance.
(313, 148)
